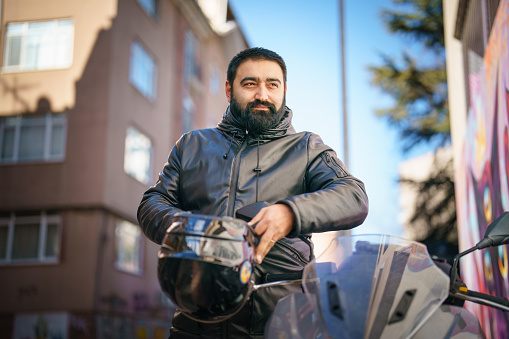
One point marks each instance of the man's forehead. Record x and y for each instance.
(259, 69)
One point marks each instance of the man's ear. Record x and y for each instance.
(228, 90)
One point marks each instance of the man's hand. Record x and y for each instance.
(274, 223)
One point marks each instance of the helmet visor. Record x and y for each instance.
(205, 266)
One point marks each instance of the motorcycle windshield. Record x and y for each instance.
(373, 286)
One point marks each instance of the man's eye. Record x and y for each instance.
(275, 85)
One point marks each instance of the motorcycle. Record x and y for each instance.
(378, 286)
(362, 286)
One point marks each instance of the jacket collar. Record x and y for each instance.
(234, 128)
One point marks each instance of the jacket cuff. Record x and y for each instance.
(295, 232)
(164, 225)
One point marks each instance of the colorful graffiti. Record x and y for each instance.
(482, 184)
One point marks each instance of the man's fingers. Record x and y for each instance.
(272, 223)
(261, 223)
(267, 241)
(257, 217)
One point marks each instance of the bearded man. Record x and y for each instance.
(255, 155)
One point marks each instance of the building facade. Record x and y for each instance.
(477, 36)
(93, 94)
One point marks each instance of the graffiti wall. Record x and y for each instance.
(482, 185)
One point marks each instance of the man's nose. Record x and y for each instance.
(262, 94)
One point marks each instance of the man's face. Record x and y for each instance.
(257, 95)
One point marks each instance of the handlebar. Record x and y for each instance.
(483, 299)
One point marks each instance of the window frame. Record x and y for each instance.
(191, 68)
(214, 80)
(151, 157)
(44, 219)
(51, 120)
(141, 246)
(135, 81)
(57, 32)
(152, 12)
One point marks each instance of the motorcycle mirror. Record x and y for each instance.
(497, 233)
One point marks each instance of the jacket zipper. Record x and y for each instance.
(294, 251)
(234, 179)
(334, 165)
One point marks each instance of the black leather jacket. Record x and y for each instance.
(216, 171)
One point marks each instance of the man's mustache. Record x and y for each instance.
(257, 102)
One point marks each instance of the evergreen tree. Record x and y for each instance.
(420, 113)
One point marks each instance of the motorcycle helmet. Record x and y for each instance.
(205, 265)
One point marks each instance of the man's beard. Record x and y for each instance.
(257, 121)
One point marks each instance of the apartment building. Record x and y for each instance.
(93, 94)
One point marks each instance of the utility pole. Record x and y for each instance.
(343, 85)
(343, 94)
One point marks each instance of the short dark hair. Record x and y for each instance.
(255, 53)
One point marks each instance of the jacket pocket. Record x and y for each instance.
(334, 163)
(296, 248)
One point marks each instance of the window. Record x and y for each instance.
(30, 238)
(191, 66)
(33, 137)
(148, 6)
(188, 110)
(138, 155)
(128, 247)
(38, 45)
(214, 80)
(142, 71)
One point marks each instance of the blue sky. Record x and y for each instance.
(306, 35)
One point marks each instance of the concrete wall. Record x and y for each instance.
(455, 73)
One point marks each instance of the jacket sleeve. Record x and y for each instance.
(161, 201)
(336, 200)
